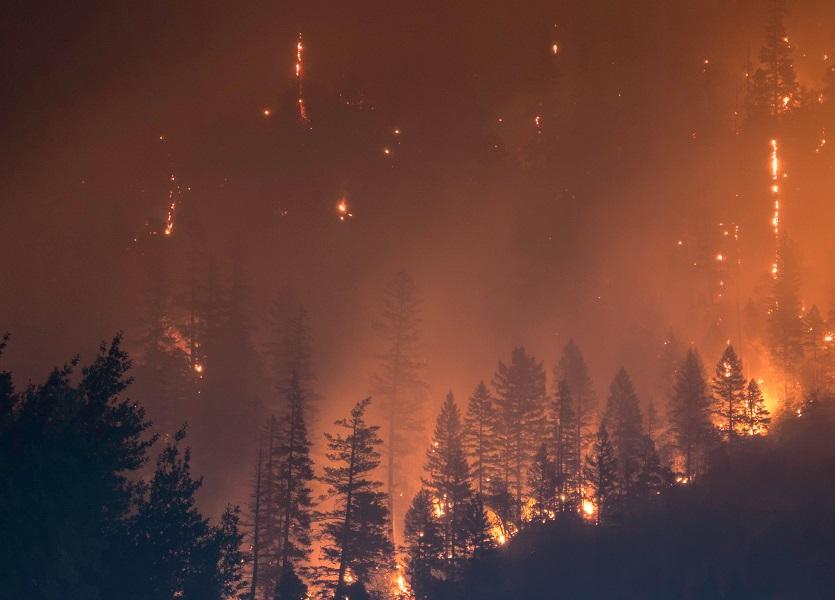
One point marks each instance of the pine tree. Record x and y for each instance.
(623, 420)
(814, 345)
(175, 549)
(269, 502)
(542, 486)
(256, 509)
(232, 389)
(756, 417)
(781, 88)
(399, 383)
(449, 483)
(653, 477)
(424, 545)
(690, 414)
(162, 373)
(573, 369)
(785, 321)
(294, 473)
(481, 538)
(291, 357)
(520, 402)
(479, 440)
(601, 475)
(652, 421)
(566, 444)
(355, 532)
(290, 586)
(728, 385)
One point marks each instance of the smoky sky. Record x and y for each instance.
(515, 234)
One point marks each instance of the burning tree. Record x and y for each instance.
(728, 386)
(398, 381)
(355, 532)
(777, 76)
(756, 418)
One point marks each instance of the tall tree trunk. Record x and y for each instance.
(346, 525)
(256, 540)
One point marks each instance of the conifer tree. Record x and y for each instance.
(814, 345)
(355, 532)
(162, 373)
(653, 477)
(728, 385)
(174, 548)
(690, 414)
(424, 545)
(623, 420)
(479, 441)
(652, 421)
(756, 417)
(601, 475)
(256, 509)
(481, 539)
(566, 446)
(785, 321)
(520, 425)
(291, 355)
(573, 370)
(542, 486)
(781, 88)
(449, 483)
(290, 586)
(399, 382)
(294, 473)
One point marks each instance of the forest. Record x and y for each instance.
(572, 406)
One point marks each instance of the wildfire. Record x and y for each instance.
(775, 191)
(821, 142)
(588, 508)
(175, 194)
(401, 586)
(299, 81)
(343, 210)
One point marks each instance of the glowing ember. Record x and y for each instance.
(555, 48)
(588, 507)
(775, 190)
(343, 210)
(266, 112)
(299, 81)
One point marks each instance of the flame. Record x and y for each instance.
(343, 210)
(588, 508)
(775, 190)
(299, 80)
